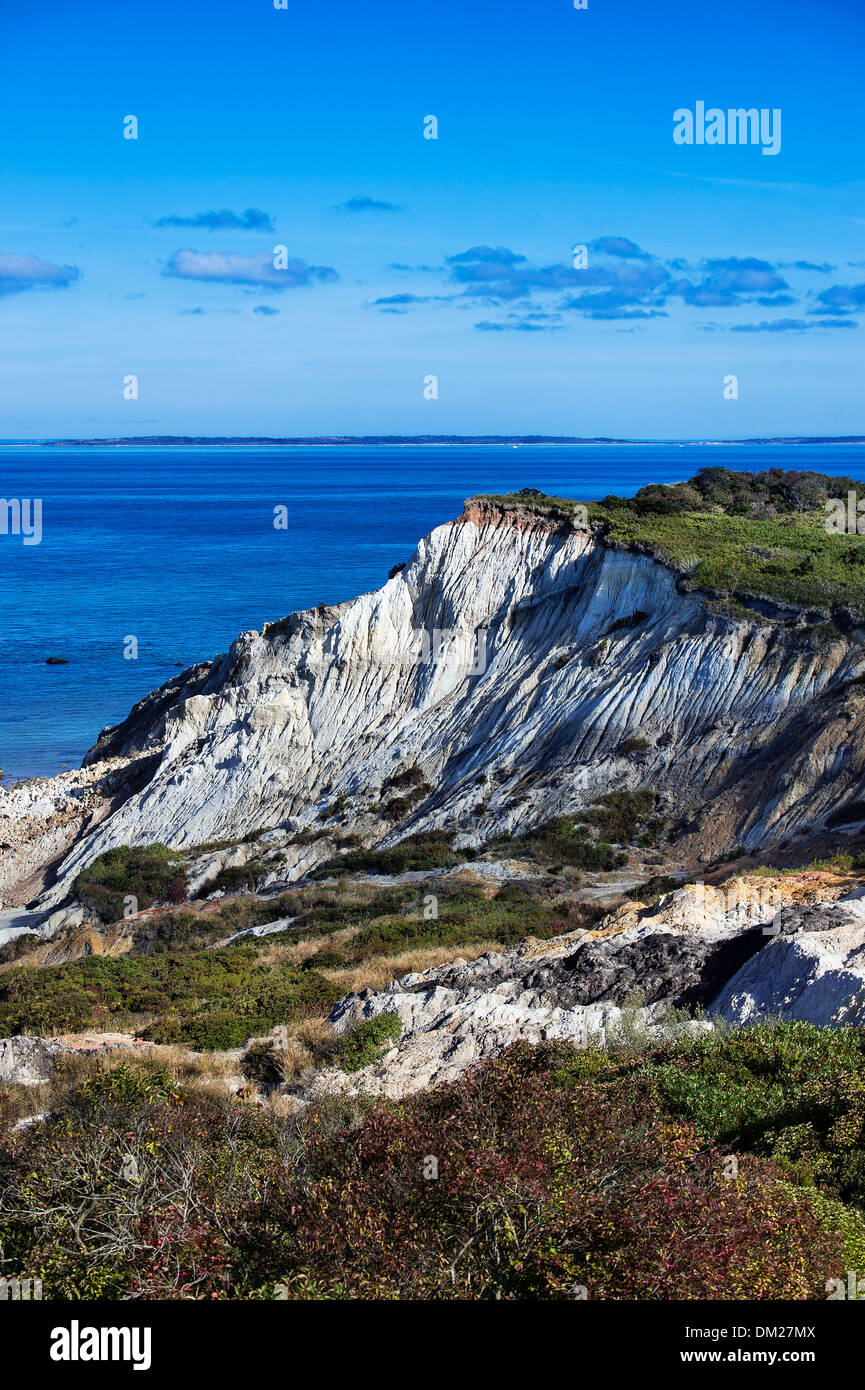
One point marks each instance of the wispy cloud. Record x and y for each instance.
(21, 273)
(219, 268)
(401, 300)
(401, 303)
(762, 185)
(533, 322)
(496, 274)
(841, 299)
(361, 203)
(791, 325)
(252, 220)
(618, 246)
(731, 281)
(619, 280)
(824, 269)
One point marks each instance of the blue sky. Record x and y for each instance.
(409, 257)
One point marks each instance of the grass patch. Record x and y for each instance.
(463, 920)
(563, 841)
(761, 534)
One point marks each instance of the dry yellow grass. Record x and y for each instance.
(298, 951)
(378, 971)
(299, 1044)
(209, 1070)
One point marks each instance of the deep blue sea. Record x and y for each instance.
(177, 547)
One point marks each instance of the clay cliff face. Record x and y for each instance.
(510, 662)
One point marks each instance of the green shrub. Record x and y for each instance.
(557, 1171)
(790, 1092)
(541, 1189)
(564, 840)
(148, 873)
(846, 1222)
(761, 533)
(429, 850)
(238, 878)
(367, 1043)
(654, 888)
(324, 960)
(618, 816)
(122, 1086)
(207, 999)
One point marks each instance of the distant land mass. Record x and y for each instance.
(325, 440)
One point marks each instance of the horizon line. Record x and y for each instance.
(401, 440)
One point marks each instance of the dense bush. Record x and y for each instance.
(546, 1174)
(147, 873)
(621, 816)
(543, 1188)
(791, 1092)
(773, 490)
(208, 999)
(654, 888)
(428, 850)
(238, 878)
(564, 840)
(367, 1042)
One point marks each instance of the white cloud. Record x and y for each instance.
(224, 269)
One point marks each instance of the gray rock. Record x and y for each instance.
(27, 1061)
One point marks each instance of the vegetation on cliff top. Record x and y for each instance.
(762, 534)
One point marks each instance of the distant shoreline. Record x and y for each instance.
(409, 441)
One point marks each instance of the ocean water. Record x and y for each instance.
(176, 547)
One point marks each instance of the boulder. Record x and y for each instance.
(27, 1061)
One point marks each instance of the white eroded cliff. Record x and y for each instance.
(594, 672)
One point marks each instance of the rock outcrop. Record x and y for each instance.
(521, 665)
(807, 962)
(27, 1061)
(814, 969)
